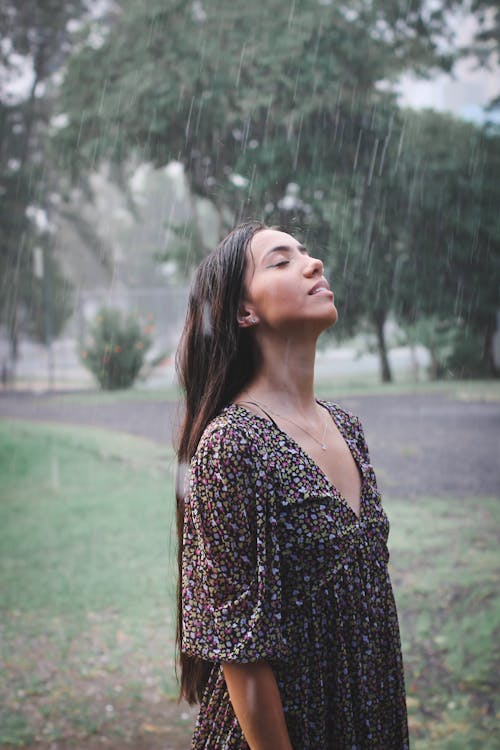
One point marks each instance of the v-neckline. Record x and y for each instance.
(344, 501)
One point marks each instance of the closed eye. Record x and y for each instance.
(281, 250)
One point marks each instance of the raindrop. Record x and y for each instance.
(356, 155)
(297, 145)
(188, 122)
(372, 165)
(242, 55)
(400, 146)
(384, 149)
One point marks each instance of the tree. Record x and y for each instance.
(486, 44)
(365, 209)
(254, 97)
(454, 263)
(35, 33)
(233, 74)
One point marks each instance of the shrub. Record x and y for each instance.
(454, 347)
(466, 358)
(116, 352)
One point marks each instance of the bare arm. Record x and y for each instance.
(257, 704)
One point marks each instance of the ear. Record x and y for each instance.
(246, 317)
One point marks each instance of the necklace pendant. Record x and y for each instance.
(323, 446)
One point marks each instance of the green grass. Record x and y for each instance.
(97, 397)
(87, 574)
(368, 385)
(444, 558)
(87, 579)
(86, 521)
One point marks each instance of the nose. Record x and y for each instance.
(313, 267)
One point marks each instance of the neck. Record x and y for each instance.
(285, 377)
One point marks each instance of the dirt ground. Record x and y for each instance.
(168, 727)
(420, 445)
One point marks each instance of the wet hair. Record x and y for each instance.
(215, 359)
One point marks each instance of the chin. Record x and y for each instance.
(334, 316)
(329, 320)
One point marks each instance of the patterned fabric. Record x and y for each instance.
(277, 566)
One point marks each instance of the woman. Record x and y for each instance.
(287, 624)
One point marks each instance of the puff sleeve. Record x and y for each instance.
(231, 592)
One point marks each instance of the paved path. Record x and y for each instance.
(420, 444)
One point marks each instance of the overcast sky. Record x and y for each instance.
(465, 93)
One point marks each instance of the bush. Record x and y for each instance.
(116, 352)
(466, 358)
(455, 348)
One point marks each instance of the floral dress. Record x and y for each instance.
(278, 567)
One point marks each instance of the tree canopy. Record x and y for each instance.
(283, 110)
(36, 40)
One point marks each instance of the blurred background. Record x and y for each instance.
(133, 136)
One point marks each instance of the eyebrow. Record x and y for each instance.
(285, 248)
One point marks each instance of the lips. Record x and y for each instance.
(320, 286)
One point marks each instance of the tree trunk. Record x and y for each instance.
(385, 368)
(434, 365)
(489, 367)
(29, 120)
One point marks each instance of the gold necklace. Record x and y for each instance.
(321, 442)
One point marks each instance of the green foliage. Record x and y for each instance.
(186, 246)
(15, 255)
(453, 193)
(281, 94)
(48, 302)
(233, 74)
(453, 350)
(466, 358)
(36, 37)
(116, 352)
(37, 307)
(486, 44)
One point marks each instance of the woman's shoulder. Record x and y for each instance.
(232, 430)
(349, 422)
(345, 415)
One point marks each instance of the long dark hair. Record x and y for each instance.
(215, 359)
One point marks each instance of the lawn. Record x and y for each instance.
(445, 570)
(356, 385)
(87, 575)
(87, 579)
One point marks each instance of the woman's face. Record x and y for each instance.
(285, 286)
